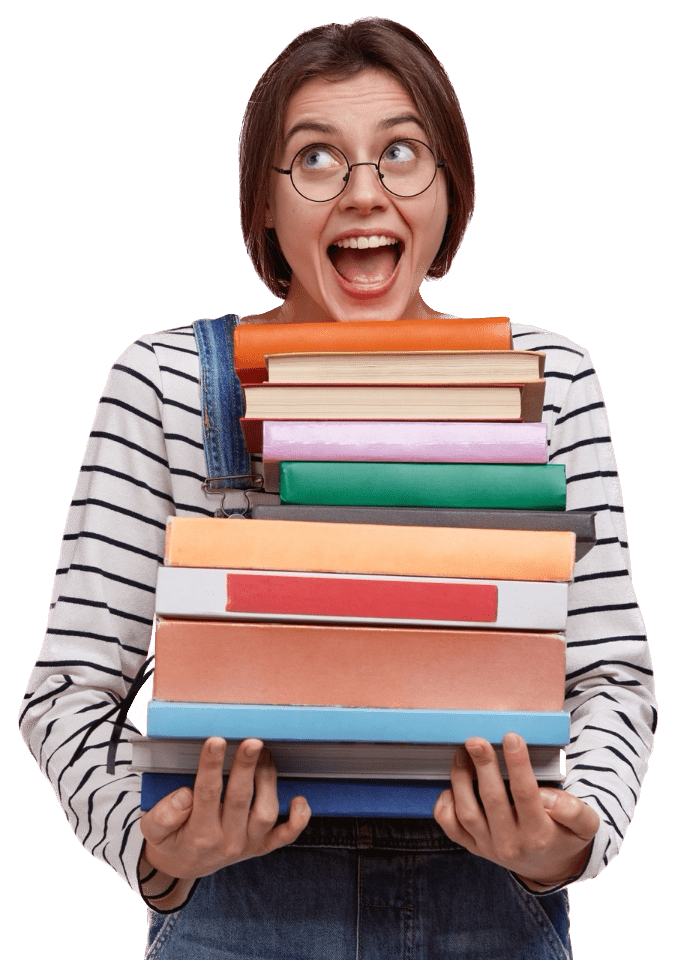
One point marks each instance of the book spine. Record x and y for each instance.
(360, 724)
(252, 342)
(369, 549)
(329, 798)
(424, 442)
(213, 594)
(461, 485)
(357, 666)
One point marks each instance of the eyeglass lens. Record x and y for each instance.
(405, 168)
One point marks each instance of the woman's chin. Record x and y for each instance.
(373, 300)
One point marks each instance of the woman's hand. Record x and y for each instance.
(544, 837)
(191, 834)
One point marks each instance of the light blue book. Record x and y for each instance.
(170, 719)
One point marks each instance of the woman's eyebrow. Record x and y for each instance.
(329, 130)
(312, 125)
(396, 121)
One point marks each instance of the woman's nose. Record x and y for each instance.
(363, 191)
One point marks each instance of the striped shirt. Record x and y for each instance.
(145, 461)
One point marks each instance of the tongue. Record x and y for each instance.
(373, 265)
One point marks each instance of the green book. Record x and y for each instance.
(508, 486)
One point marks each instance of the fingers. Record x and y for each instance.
(523, 783)
(262, 827)
(571, 812)
(492, 818)
(237, 801)
(445, 814)
(208, 786)
(264, 810)
(288, 831)
(167, 816)
(497, 809)
(458, 811)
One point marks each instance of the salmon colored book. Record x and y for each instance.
(252, 342)
(475, 554)
(276, 663)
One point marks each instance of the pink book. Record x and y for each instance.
(410, 442)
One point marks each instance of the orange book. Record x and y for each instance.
(354, 666)
(252, 342)
(475, 554)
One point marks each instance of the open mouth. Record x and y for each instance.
(365, 260)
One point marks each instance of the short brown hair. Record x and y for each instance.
(339, 51)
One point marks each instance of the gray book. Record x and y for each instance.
(582, 523)
(337, 759)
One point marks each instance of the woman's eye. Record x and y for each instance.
(317, 158)
(400, 152)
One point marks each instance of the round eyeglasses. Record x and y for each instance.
(320, 172)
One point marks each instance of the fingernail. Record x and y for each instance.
(251, 750)
(511, 742)
(300, 805)
(548, 798)
(475, 749)
(182, 800)
(216, 745)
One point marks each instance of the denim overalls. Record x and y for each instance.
(347, 889)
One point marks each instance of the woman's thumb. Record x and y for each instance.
(571, 812)
(167, 816)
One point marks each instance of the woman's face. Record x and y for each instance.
(331, 280)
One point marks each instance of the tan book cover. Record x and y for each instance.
(395, 401)
(424, 366)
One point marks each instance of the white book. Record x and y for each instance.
(337, 759)
(216, 594)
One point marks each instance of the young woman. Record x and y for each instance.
(337, 230)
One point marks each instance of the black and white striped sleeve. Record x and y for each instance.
(609, 686)
(101, 616)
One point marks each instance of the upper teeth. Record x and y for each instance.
(361, 243)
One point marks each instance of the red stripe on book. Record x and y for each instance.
(348, 597)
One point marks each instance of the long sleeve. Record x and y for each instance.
(145, 460)
(609, 683)
(101, 617)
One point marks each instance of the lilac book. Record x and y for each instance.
(437, 441)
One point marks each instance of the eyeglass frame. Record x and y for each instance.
(362, 163)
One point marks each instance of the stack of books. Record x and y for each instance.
(409, 591)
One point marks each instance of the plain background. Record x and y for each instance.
(119, 217)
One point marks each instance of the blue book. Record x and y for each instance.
(327, 797)
(229, 720)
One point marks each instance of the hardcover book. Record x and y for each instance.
(430, 366)
(233, 720)
(216, 594)
(406, 441)
(207, 661)
(389, 401)
(531, 486)
(253, 342)
(328, 798)
(336, 759)
(360, 548)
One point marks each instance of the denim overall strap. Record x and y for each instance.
(222, 402)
